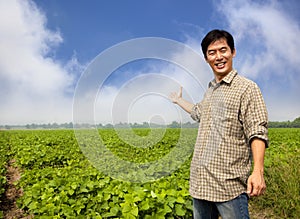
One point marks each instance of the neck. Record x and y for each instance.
(219, 77)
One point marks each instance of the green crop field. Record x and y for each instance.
(58, 181)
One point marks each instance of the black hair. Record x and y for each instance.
(215, 35)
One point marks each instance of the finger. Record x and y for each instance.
(258, 190)
(180, 92)
(262, 191)
(255, 192)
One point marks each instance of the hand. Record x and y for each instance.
(256, 184)
(175, 97)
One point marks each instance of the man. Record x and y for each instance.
(232, 132)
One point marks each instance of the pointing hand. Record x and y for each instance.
(176, 96)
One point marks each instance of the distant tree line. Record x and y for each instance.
(287, 124)
(174, 124)
(70, 125)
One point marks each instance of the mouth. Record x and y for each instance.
(220, 64)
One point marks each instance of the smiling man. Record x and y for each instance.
(232, 133)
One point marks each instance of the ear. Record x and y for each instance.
(205, 58)
(234, 53)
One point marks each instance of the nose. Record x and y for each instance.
(219, 55)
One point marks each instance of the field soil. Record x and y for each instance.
(8, 202)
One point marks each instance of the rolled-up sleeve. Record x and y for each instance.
(254, 114)
(196, 112)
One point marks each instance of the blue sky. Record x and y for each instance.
(47, 45)
(105, 23)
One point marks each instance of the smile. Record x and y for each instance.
(221, 64)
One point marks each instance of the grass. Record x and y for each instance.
(282, 175)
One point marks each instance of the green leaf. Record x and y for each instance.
(171, 200)
(74, 185)
(144, 206)
(129, 209)
(180, 200)
(179, 210)
(71, 191)
(128, 198)
(83, 189)
(153, 194)
(129, 216)
(106, 196)
(134, 210)
(115, 210)
(167, 209)
(33, 205)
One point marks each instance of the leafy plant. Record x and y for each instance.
(60, 182)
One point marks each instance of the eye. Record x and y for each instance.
(223, 50)
(211, 53)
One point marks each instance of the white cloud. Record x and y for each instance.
(33, 86)
(267, 51)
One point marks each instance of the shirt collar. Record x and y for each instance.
(227, 79)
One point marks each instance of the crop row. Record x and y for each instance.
(4, 148)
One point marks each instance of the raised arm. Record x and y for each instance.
(176, 97)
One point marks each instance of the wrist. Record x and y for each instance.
(179, 100)
(258, 170)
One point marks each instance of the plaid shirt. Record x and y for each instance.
(231, 113)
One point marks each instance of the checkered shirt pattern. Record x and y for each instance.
(231, 113)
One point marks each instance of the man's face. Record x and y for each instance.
(219, 57)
